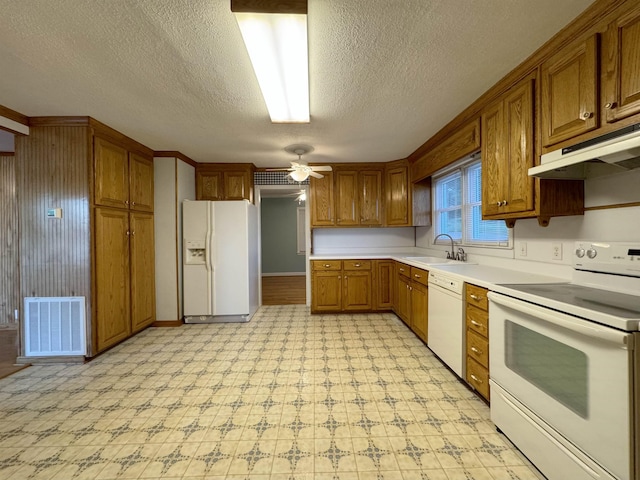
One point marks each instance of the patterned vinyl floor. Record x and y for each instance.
(287, 396)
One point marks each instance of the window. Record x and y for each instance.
(458, 208)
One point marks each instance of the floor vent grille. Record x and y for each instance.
(54, 326)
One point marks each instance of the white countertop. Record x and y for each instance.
(481, 275)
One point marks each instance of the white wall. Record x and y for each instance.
(345, 240)
(174, 182)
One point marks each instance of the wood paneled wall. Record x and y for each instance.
(9, 266)
(53, 172)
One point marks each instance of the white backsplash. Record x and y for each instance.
(327, 240)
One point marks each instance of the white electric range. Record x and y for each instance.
(565, 366)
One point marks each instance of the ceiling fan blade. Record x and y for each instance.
(279, 169)
(321, 168)
(295, 164)
(316, 175)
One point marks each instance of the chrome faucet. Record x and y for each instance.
(450, 255)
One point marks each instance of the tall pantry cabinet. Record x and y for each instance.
(102, 246)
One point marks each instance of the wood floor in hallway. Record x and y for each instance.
(284, 290)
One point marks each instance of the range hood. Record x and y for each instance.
(613, 152)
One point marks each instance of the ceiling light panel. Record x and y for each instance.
(277, 47)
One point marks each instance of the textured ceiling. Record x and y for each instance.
(385, 75)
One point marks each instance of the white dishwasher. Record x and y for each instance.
(446, 320)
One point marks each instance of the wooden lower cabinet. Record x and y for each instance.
(477, 338)
(350, 285)
(419, 309)
(124, 275)
(142, 271)
(412, 300)
(383, 282)
(112, 303)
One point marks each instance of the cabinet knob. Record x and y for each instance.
(128, 233)
(476, 297)
(126, 202)
(475, 379)
(356, 264)
(416, 275)
(587, 115)
(473, 322)
(133, 233)
(476, 351)
(498, 203)
(504, 202)
(327, 265)
(402, 269)
(610, 105)
(133, 203)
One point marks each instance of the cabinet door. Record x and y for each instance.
(370, 189)
(209, 186)
(142, 271)
(519, 148)
(112, 291)
(569, 92)
(321, 200)
(494, 177)
(141, 182)
(111, 164)
(621, 64)
(403, 299)
(326, 295)
(347, 198)
(383, 284)
(357, 290)
(236, 186)
(419, 309)
(397, 185)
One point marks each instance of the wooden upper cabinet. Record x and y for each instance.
(321, 200)
(224, 181)
(397, 198)
(621, 67)
(111, 163)
(508, 152)
(346, 198)
(236, 185)
(569, 101)
(141, 182)
(142, 271)
(370, 197)
(209, 186)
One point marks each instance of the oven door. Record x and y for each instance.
(573, 374)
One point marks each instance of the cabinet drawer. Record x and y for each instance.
(357, 264)
(478, 348)
(419, 275)
(477, 296)
(478, 377)
(319, 265)
(478, 320)
(404, 270)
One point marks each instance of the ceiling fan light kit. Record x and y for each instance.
(300, 171)
(275, 35)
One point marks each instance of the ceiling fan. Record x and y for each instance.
(301, 171)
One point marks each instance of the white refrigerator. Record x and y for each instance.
(220, 261)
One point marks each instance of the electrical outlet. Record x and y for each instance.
(556, 251)
(523, 249)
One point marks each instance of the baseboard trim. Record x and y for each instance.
(285, 274)
(75, 359)
(167, 323)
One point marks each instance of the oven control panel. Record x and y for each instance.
(608, 257)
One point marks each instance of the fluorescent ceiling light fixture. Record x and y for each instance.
(277, 46)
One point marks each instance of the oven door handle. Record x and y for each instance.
(584, 327)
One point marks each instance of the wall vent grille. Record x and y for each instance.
(54, 326)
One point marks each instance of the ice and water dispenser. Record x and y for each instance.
(194, 252)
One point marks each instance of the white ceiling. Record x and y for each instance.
(385, 75)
